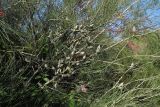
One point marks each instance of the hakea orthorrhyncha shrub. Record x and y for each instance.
(2, 13)
(74, 49)
(134, 47)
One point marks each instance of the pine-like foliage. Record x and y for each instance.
(78, 53)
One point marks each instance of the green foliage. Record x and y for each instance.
(65, 57)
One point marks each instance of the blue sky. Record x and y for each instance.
(149, 9)
(153, 12)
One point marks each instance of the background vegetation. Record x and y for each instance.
(79, 53)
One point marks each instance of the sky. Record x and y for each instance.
(147, 7)
(153, 12)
